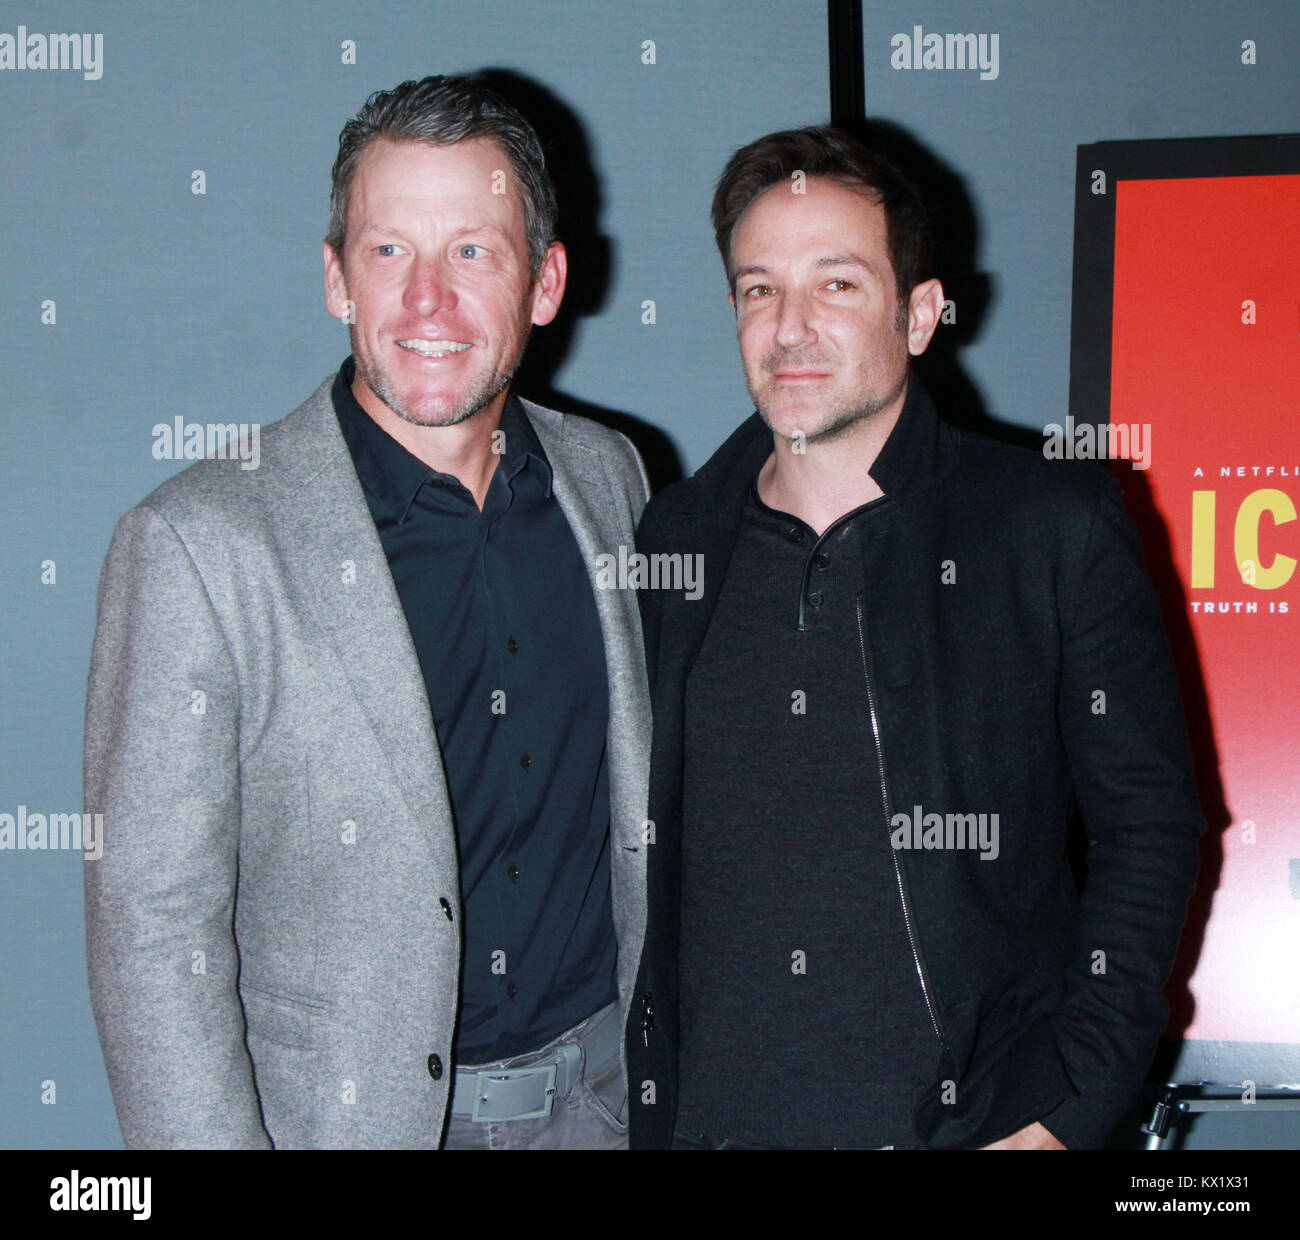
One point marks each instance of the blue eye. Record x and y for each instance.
(465, 251)
(388, 245)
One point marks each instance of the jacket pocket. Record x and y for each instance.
(281, 1016)
(1005, 1071)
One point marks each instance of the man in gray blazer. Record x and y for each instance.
(369, 739)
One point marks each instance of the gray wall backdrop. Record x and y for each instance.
(211, 307)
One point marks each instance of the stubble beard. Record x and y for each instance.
(845, 418)
(475, 400)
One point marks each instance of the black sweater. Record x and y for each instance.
(803, 1023)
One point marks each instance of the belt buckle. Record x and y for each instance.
(484, 1078)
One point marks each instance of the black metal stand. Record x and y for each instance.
(1169, 1108)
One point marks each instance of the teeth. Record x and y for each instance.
(433, 348)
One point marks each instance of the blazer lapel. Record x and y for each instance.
(589, 505)
(332, 551)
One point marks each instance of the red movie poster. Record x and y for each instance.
(1205, 373)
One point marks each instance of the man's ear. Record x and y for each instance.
(549, 285)
(336, 288)
(925, 305)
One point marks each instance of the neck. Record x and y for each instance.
(830, 477)
(465, 451)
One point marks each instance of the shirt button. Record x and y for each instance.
(815, 599)
(511, 990)
(525, 761)
(512, 646)
(513, 871)
(446, 907)
(795, 534)
(821, 559)
(435, 1067)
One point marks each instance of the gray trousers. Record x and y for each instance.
(592, 1115)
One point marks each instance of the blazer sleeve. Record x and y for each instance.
(162, 767)
(1122, 723)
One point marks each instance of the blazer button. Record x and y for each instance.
(435, 1067)
(647, 1017)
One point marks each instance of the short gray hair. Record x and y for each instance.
(443, 110)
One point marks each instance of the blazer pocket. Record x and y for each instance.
(280, 1016)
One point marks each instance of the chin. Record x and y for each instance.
(435, 413)
(788, 423)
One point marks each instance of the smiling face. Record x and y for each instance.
(824, 339)
(436, 270)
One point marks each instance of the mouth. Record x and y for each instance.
(799, 376)
(433, 348)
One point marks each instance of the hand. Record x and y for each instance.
(1032, 1137)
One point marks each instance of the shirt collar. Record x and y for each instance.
(393, 476)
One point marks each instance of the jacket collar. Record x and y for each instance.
(918, 452)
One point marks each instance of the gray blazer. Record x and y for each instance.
(273, 930)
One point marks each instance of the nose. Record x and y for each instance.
(429, 287)
(794, 325)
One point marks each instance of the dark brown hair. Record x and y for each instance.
(823, 151)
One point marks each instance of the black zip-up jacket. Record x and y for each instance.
(1014, 662)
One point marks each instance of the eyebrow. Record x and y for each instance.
(848, 260)
(831, 260)
(373, 226)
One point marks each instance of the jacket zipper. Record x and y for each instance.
(889, 817)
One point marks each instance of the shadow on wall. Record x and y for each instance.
(972, 291)
(591, 259)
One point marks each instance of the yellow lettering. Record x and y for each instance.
(1246, 536)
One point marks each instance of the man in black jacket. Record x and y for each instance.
(915, 650)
